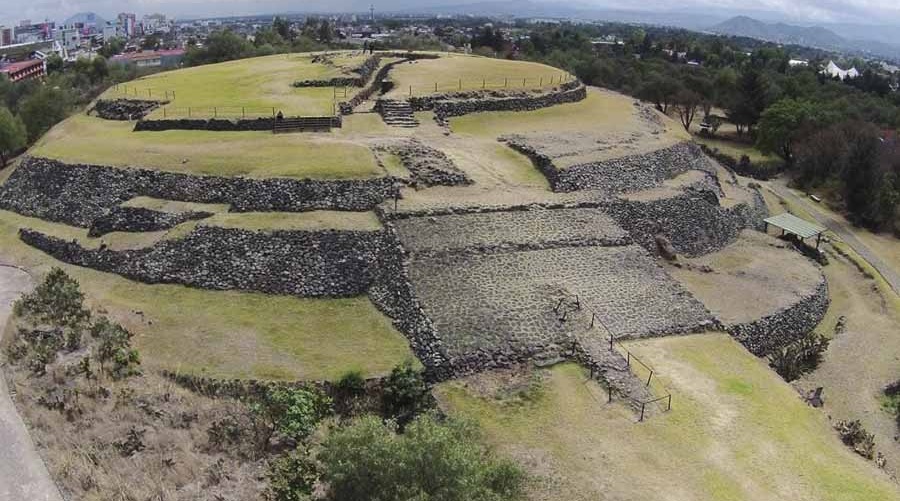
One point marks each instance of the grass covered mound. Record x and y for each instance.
(90, 140)
(736, 431)
(257, 84)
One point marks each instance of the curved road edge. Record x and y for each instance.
(23, 474)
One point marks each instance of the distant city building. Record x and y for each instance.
(32, 33)
(151, 59)
(798, 62)
(128, 23)
(24, 70)
(834, 70)
(7, 36)
(69, 38)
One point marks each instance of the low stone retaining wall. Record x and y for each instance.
(364, 71)
(782, 328)
(464, 103)
(124, 109)
(327, 263)
(428, 166)
(224, 124)
(368, 91)
(139, 219)
(630, 173)
(78, 194)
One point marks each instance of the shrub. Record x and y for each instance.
(799, 357)
(857, 438)
(292, 412)
(351, 384)
(405, 394)
(431, 460)
(58, 300)
(291, 477)
(114, 345)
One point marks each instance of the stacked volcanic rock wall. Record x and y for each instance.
(139, 219)
(428, 166)
(693, 222)
(368, 91)
(80, 194)
(326, 263)
(228, 125)
(624, 174)
(125, 109)
(783, 327)
(364, 71)
(392, 293)
(458, 104)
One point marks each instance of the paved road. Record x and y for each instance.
(890, 271)
(23, 475)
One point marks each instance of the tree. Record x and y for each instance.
(55, 63)
(781, 125)
(750, 98)
(660, 90)
(293, 412)
(431, 460)
(687, 102)
(12, 135)
(42, 110)
(282, 27)
(111, 47)
(58, 300)
(405, 393)
(114, 345)
(150, 42)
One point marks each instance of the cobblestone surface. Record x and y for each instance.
(511, 230)
(503, 301)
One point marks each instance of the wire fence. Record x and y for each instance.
(536, 82)
(141, 92)
(659, 395)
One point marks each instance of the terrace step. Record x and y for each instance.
(396, 113)
(304, 124)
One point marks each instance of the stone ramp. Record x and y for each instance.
(611, 367)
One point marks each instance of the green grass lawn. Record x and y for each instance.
(602, 111)
(456, 72)
(736, 432)
(224, 333)
(735, 149)
(257, 84)
(92, 140)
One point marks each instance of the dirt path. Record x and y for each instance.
(23, 475)
(890, 271)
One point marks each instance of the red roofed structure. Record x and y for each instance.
(24, 70)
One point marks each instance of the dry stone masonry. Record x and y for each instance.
(125, 109)
(457, 104)
(139, 219)
(363, 72)
(78, 194)
(428, 166)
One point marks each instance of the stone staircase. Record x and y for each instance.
(304, 124)
(396, 113)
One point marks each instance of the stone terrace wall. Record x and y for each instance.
(428, 166)
(125, 109)
(326, 263)
(781, 328)
(80, 194)
(364, 71)
(694, 221)
(139, 219)
(458, 104)
(625, 174)
(221, 124)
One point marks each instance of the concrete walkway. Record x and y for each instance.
(23, 475)
(890, 272)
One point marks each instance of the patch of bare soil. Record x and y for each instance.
(751, 278)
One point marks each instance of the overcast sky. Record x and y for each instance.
(855, 11)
